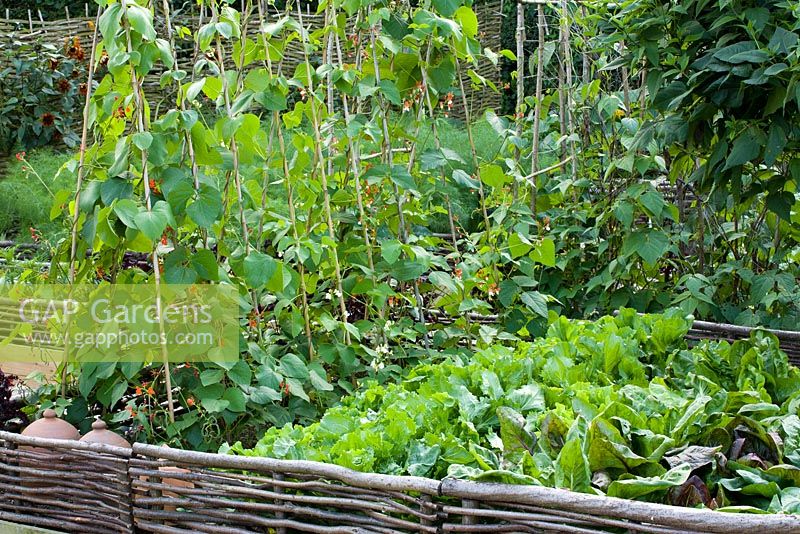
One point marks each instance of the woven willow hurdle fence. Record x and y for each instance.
(94, 488)
(789, 339)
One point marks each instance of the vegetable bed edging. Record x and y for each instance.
(90, 487)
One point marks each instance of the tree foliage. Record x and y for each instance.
(723, 77)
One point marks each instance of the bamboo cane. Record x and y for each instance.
(73, 249)
(537, 112)
(567, 50)
(276, 123)
(473, 150)
(355, 162)
(387, 149)
(320, 165)
(518, 115)
(140, 126)
(181, 97)
(233, 145)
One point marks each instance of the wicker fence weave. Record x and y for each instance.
(66, 485)
(81, 487)
(789, 339)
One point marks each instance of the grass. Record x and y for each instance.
(24, 200)
(465, 204)
(454, 136)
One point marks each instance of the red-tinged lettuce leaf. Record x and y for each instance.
(513, 431)
(691, 494)
(694, 455)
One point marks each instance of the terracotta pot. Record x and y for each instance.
(51, 427)
(101, 434)
(174, 482)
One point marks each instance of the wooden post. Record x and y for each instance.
(701, 237)
(126, 503)
(78, 186)
(201, 13)
(537, 112)
(386, 151)
(30, 21)
(438, 144)
(142, 126)
(41, 19)
(520, 79)
(467, 519)
(327, 59)
(69, 25)
(323, 176)
(586, 77)
(279, 515)
(425, 507)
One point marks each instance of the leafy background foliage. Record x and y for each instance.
(40, 93)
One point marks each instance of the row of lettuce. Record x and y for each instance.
(620, 406)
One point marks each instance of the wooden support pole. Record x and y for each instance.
(73, 254)
(280, 515)
(562, 90)
(537, 112)
(469, 519)
(142, 126)
(327, 59)
(642, 92)
(69, 24)
(518, 115)
(586, 78)
(567, 51)
(319, 163)
(426, 505)
(624, 73)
